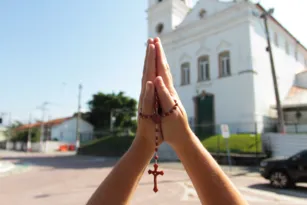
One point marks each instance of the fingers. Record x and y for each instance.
(163, 67)
(149, 42)
(148, 99)
(166, 99)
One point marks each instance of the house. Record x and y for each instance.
(62, 129)
(221, 69)
(3, 133)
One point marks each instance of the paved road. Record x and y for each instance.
(70, 180)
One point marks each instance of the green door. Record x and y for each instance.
(205, 116)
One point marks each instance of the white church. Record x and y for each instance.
(217, 55)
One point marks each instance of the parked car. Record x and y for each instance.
(285, 172)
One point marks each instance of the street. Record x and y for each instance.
(68, 179)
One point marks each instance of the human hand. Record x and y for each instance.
(175, 127)
(146, 127)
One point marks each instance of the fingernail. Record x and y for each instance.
(160, 80)
(147, 87)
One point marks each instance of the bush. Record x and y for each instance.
(107, 146)
(238, 143)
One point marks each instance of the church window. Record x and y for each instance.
(296, 55)
(287, 47)
(203, 68)
(224, 64)
(276, 39)
(159, 28)
(202, 13)
(185, 74)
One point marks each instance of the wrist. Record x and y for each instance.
(143, 145)
(184, 139)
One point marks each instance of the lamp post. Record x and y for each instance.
(78, 117)
(280, 116)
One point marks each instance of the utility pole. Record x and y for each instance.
(111, 120)
(281, 123)
(29, 134)
(43, 109)
(78, 118)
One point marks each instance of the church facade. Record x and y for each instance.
(217, 55)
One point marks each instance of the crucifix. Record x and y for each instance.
(155, 173)
(156, 117)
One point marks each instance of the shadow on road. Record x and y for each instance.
(63, 162)
(298, 191)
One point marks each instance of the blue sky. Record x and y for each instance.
(48, 47)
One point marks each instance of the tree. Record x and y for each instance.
(123, 108)
(22, 135)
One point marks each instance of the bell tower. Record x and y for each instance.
(165, 15)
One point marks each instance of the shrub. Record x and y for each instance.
(238, 143)
(107, 146)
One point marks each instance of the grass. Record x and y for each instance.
(238, 143)
(116, 146)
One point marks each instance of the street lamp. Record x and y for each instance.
(280, 115)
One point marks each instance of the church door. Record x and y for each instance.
(205, 116)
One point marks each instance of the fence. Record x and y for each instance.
(284, 144)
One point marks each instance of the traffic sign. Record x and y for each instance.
(225, 131)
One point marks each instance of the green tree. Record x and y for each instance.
(22, 136)
(123, 108)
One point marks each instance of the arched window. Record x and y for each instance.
(203, 68)
(202, 13)
(159, 28)
(276, 40)
(185, 73)
(224, 64)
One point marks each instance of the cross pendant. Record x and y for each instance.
(155, 173)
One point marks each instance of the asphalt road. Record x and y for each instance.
(70, 180)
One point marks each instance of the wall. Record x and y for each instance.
(67, 131)
(301, 79)
(47, 146)
(2, 134)
(234, 94)
(285, 145)
(285, 64)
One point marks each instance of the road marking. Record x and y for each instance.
(189, 193)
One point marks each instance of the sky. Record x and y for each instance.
(49, 47)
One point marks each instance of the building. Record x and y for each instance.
(63, 129)
(221, 70)
(3, 131)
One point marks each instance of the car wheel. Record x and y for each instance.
(280, 179)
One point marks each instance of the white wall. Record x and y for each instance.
(285, 64)
(233, 95)
(68, 130)
(2, 134)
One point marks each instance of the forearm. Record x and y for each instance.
(210, 182)
(119, 185)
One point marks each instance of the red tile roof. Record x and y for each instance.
(296, 96)
(49, 123)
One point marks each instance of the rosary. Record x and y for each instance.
(156, 118)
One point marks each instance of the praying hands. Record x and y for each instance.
(162, 118)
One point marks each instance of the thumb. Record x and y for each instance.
(166, 100)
